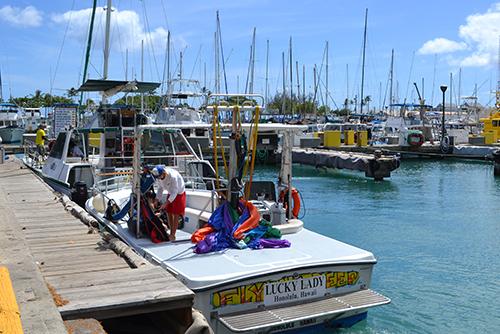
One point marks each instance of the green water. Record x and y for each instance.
(434, 227)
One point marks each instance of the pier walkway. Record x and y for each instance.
(53, 259)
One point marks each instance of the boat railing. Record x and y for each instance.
(116, 182)
(32, 155)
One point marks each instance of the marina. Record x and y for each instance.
(185, 168)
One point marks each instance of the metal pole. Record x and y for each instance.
(363, 65)
(326, 89)
(267, 72)
(443, 89)
(142, 74)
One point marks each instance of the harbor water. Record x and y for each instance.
(434, 227)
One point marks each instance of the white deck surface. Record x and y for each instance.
(201, 271)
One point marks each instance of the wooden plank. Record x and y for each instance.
(115, 276)
(55, 234)
(10, 317)
(72, 256)
(138, 303)
(87, 238)
(61, 247)
(122, 288)
(91, 263)
(77, 271)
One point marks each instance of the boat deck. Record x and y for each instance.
(307, 249)
(52, 257)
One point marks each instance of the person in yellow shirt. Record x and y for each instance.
(40, 139)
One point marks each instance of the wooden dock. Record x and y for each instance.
(51, 256)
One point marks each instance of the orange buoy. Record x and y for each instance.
(295, 198)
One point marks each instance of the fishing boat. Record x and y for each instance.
(315, 282)
(81, 156)
(11, 123)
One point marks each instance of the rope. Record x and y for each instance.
(254, 146)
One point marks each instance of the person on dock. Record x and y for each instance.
(170, 180)
(40, 138)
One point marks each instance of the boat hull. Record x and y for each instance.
(57, 185)
(11, 134)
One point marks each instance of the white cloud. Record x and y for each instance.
(23, 17)
(127, 30)
(441, 45)
(480, 33)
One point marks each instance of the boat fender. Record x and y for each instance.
(295, 198)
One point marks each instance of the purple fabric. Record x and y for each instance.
(269, 243)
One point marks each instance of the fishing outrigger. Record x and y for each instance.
(296, 279)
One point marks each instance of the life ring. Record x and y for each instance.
(295, 198)
(130, 143)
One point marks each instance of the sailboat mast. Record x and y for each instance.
(142, 73)
(304, 83)
(347, 87)
(291, 77)
(126, 73)
(106, 40)
(451, 95)
(267, 72)
(459, 91)
(252, 68)
(283, 96)
(298, 79)
(314, 98)
(363, 62)
(168, 65)
(326, 93)
(391, 78)
(87, 52)
(106, 46)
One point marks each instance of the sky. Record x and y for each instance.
(43, 45)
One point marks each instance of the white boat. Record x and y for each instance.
(105, 146)
(316, 282)
(11, 123)
(183, 101)
(32, 118)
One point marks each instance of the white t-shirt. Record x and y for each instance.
(173, 183)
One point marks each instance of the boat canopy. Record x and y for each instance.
(92, 85)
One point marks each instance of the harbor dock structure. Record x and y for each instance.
(60, 272)
(374, 165)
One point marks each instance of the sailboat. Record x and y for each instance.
(316, 282)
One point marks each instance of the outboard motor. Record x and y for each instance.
(80, 193)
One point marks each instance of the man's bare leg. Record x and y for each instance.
(173, 222)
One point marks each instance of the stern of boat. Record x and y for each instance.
(336, 296)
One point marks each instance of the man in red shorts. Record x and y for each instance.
(170, 180)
